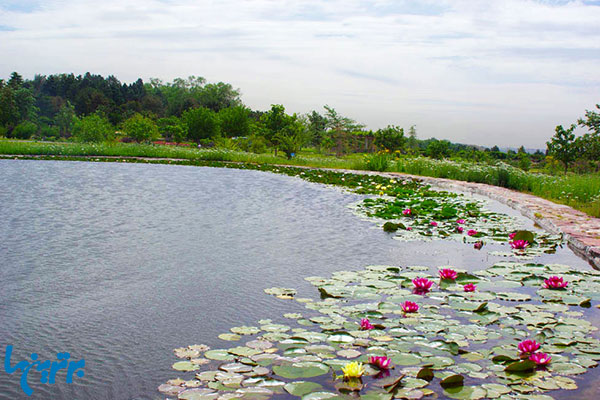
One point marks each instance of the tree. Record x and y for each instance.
(274, 121)
(412, 142)
(93, 128)
(591, 120)
(25, 130)
(562, 146)
(390, 138)
(317, 125)
(438, 149)
(202, 123)
(172, 128)
(589, 143)
(140, 128)
(65, 118)
(293, 137)
(235, 121)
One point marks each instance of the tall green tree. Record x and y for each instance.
(93, 128)
(390, 138)
(202, 123)
(235, 121)
(140, 128)
(562, 146)
(65, 118)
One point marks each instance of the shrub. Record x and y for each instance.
(25, 130)
(140, 128)
(93, 128)
(202, 123)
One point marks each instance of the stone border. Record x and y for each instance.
(579, 230)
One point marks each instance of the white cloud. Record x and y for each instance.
(482, 72)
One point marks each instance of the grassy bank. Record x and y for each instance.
(578, 191)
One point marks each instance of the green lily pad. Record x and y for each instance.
(185, 366)
(301, 370)
(300, 388)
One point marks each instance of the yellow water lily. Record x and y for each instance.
(353, 370)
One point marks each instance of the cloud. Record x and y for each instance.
(521, 65)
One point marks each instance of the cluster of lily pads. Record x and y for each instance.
(512, 331)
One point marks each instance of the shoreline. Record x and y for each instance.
(579, 230)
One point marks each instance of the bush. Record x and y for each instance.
(93, 128)
(48, 132)
(140, 128)
(3, 131)
(202, 123)
(379, 161)
(25, 130)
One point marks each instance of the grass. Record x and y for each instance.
(578, 191)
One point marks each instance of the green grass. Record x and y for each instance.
(578, 191)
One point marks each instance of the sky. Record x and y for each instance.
(481, 72)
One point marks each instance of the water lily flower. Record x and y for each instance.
(460, 221)
(408, 228)
(528, 346)
(478, 245)
(365, 325)
(512, 235)
(447, 273)
(407, 211)
(353, 370)
(519, 244)
(422, 284)
(459, 229)
(469, 287)
(381, 362)
(410, 307)
(471, 232)
(555, 282)
(433, 223)
(540, 358)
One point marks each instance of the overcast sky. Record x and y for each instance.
(482, 72)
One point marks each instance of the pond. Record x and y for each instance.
(119, 264)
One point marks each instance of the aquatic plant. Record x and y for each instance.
(422, 284)
(540, 358)
(447, 274)
(555, 282)
(528, 346)
(352, 370)
(519, 244)
(410, 307)
(381, 362)
(469, 287)
(366, 325)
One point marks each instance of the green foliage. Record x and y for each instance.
(293, 137)
(379, 161)
(562, 145)
(235, 121)
(48, 132)
(390, 138)
(140, 128)
(65, 118)
(3, 131)
(202, 123)
(172, 129)
(93, 128)
(438, 149)
(274, 121)
(25, 130)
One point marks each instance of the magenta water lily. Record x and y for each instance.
(447, 274)
(540, 358)
(459, 229)
(528, 346)
(422, 284)
(555, 282)
(460, 221)
(381, 362)
(478, 245)
(519, 244)
(407, 211)
(433, 223)
(471, 232)
(410, 307)
(469, 287)
(366, 325)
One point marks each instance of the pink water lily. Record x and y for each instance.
(365, 325)
(410, 307)
(422, 284)
(540, 358)
(469, 287)
(512, 235)
(408, 228)
(528, 346)
(381, 362)
(478, 245)
(519, 244)
(555, 282)
(460, 221)
(447, 273)
(459, 229)
(471, 232)
(433, 223)
(407, 211)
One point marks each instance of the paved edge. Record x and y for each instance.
(579, 230)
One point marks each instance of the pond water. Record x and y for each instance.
(119, 264)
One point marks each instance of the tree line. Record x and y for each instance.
(92, 108)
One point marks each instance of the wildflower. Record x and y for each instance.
(433, 223)
(460, 221)
(471, 232)
(353, 370)
(540, 358)
(381, 362)
(410, 307)
(365, 325)
(528, 346)
(459, 229)
(555, 282)
(407, 211)
(469, 287)
(422, 284)
(519, 244)
(478, 245)
(447, 273)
